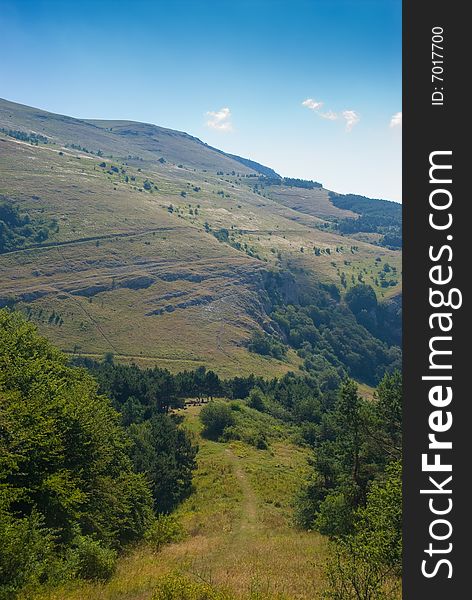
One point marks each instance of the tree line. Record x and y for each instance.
(78, 484)
(353, 494)
(375, 216)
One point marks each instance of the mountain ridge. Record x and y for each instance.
(148, 243)
(9, 115)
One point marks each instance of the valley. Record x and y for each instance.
(170, 274)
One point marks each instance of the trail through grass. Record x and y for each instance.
(238, 523)
(249, 502)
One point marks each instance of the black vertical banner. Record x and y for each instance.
(437, 260)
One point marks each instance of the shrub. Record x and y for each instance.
(367, 563)
(352, 576)
(264, 344)
(256, 399)
(259, 441)
(93, 560)
(26, 552)
(165, 530)
(215, 417)
(17, 229)
(178, 587)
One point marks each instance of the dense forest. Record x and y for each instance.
(77, 486)
(354, 336)
(375, 216)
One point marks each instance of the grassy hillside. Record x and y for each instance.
(138, 142)
(160, 252)
(239, 532)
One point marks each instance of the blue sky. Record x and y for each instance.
(311, 88)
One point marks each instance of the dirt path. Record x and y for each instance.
(249, 503)
(236, 539)
(93, 238)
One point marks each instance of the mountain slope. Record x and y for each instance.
(138, 142)
(162, 261)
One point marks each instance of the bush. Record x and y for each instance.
(353, 576)
(367, 564)
(93, 560)
(256, 399)
(264, 344)
(26, 553)
(18, 230)
(260, 441)
(216, 417)
(178, 587)
(165, 530)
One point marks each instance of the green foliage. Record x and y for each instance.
(179, 587)
(328, 336)
(294, 398)
(32, 138)
(256, 399)
(389, 414)
(141, 393)
(290, 181)
(267, 345)
(92, 559)
(344, 463)
(377, 216)
(165, 529)
(354, 493)
(378, 530)
(382, 320)
(19, 230)
(27, 551)
(354, 440)
(216, 417)
(166, 454)
(361, 297)
(64, 464)
(366, 564)
(222, 235)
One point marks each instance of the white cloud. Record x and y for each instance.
(396, 120)
(220, 120)
(330, 115)
(352, 118)
(312, 104)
